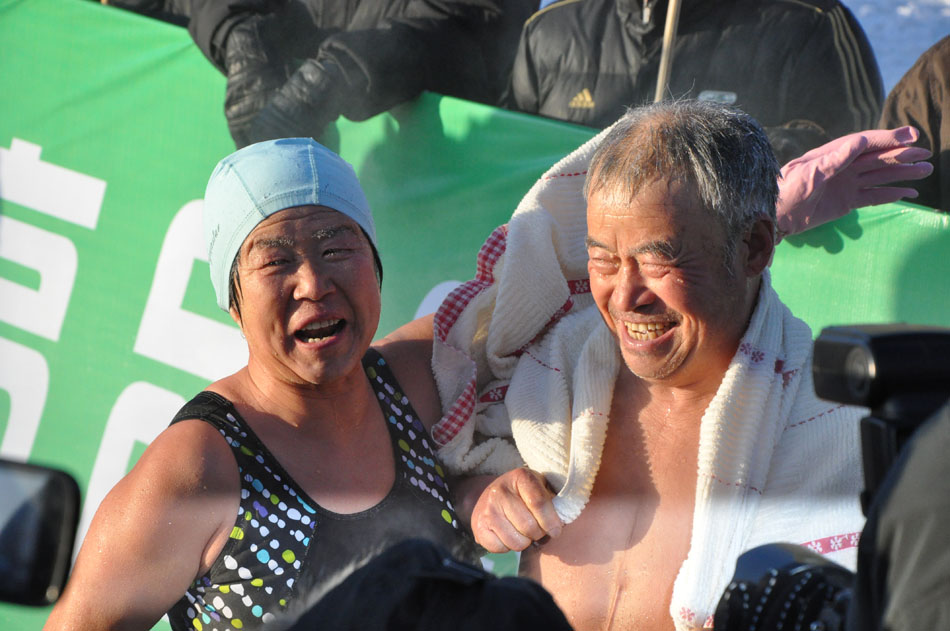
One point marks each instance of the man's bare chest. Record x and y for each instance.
(614, 566)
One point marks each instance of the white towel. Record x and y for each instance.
(530, 273)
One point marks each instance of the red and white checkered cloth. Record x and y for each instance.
(530, 273)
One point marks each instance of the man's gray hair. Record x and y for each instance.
(722, 152)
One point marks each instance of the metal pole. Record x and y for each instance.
(666, 56)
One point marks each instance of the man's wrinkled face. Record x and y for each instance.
(659, 277)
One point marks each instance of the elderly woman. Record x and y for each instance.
(313, 456)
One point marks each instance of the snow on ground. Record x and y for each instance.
(900, 31)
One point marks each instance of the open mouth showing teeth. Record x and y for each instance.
(316, 331)
(648, 330)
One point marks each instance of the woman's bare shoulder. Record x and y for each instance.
(160, 527)
(190, 453)
(408, 351)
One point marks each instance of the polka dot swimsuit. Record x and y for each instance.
(283, 543)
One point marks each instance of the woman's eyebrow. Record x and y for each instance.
(321, 234)
(273, 242)
(333, 231)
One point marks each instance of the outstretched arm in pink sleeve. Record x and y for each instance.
(849, 172)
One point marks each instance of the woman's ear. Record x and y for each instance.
(760, 246)
(236, 316)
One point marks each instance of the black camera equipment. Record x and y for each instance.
(782, 586)
(902, 373)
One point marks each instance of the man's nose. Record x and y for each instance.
(632, 292)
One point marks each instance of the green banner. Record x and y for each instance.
(882, 264)
(109, 128)
(110, 124)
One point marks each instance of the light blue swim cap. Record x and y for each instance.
(264, 178)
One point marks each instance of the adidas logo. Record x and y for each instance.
(582, 100)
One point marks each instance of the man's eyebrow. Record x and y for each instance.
(591, 242)
(662, 249)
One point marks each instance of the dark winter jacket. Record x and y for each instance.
(922, 99)
(802, 68)
(295, 65)
(171, 11)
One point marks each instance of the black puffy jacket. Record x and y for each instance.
(295, 65)
(802, 68)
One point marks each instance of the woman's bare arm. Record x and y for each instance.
(157, 530)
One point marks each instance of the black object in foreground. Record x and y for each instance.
(38, 516)
(418, 585)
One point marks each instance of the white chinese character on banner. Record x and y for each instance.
(56, 191)
(24, 374)
(173, 335)
(68, 195)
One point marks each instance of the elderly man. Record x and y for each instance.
(715, 441)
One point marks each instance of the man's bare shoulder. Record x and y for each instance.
(414, 337)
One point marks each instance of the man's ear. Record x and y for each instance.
(760, 246)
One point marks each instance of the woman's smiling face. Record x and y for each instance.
(309, 298)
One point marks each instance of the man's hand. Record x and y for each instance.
(513, 511)
(846, 173)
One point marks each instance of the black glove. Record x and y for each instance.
(303, 106)
(257, 65)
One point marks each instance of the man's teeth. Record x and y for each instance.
(647, 331)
